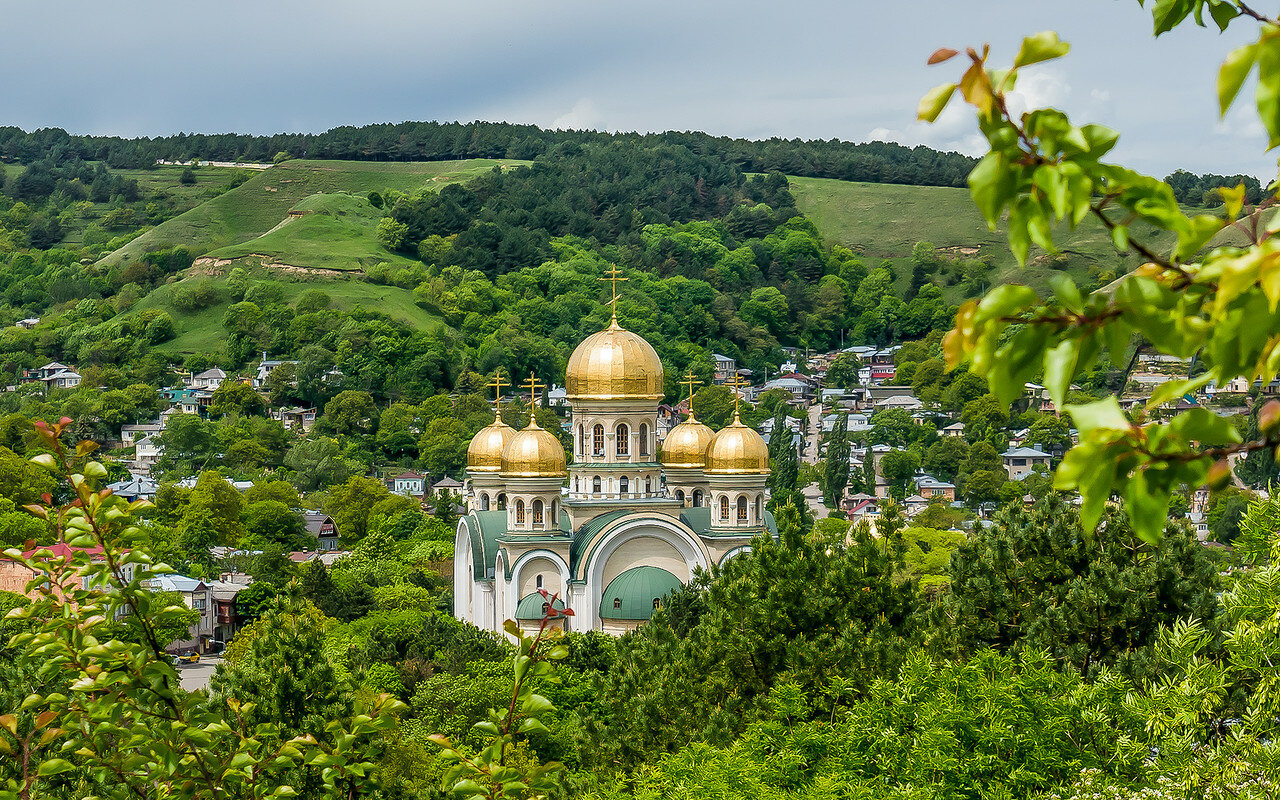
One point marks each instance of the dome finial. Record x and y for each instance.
(533, 385)
(690, 380)
(611, 275)
(735, 383)
(496, 384)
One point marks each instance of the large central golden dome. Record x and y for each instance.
(738, 450)
(614, 364)
(484, 454)
(686, 444)
(533, 453)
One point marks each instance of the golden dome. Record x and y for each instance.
(484, 454)
(737, 449)
(533, 453)
(614, 364)
(686, 444)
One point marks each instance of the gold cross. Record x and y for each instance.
(496, 384)
(689, 380)
(611, 275)
(533, 385)
(735, 383)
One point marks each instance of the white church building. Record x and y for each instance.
(620, 527)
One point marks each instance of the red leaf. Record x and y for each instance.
(942, 54)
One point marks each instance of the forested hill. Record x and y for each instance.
(872, 162)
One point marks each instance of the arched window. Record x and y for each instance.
(680, 495)
(582, 440)
(519, 511)
(697, 498)
(539, 582)
(575, 483)
(724, 508)
(502, 502)
(623, 436)
(595, 484)
(623, 484)
(742, 509)
(484, 502)
(648, 484)
(537, 511)
(555, 514)
(644, 438)
(759, 516)
(617, 603)
(597, 440)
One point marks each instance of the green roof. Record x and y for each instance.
(699, 521)
(484, 528)
(530, 606)
(631, 594)
(584, 535)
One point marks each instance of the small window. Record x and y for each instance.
(597, 440)
(519, 512)
(623, 484)
(582, 440)
(742, 509)
(724, 508)
(575, 483)
(623, 437)
(697, 498)
(546, 609)
(595, 484)
(539, 582)
(759, 516)
(644, 439)
(555, 514)
(617, 603)
(657, 603)
(648, 484)
(537, 512)
(502, 502)
(680, 495)
(484, 502)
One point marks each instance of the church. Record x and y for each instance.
(621, 527)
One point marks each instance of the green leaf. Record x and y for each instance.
(1268, 92)
(1232, 73)
(1066, 292)
(1148, 508)
(54, 766)
(1222, 13)
(531, 725)
(536, 704)
(934, 101)
(1059, 368)
(1042, 46)
(1103, 416)
(1168, 13)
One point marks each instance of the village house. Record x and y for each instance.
(323, 528)
(14, 576)
(930, 487)
(265, 368)
(209, 380)
(136, 488)
(1020, 462)
(196, 595)
(28, 323)
(296, 418)
(408, 484)
(146, 452)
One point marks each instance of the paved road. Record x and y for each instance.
(196, 676)
(813, 498)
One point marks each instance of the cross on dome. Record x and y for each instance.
(735, 383)
(690, 380)
(611, 276)
(496, 385)
(533, 385)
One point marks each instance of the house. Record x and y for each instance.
(903, 402)
(1199, 525)
(956, 429)
(28, 323)
(408, 484)
(64, 379)
(136, 488)
(42, 373)
(265, 368)
(146, 452)
(195, 593)
(131, 433)
(726, 368)
(914, 505)
(226, 622)
(861, 506)
(209, 380)
(323, 528)
(1020, 462)
(930, 487)
(14, 576)
(296, 418)
(446, 484)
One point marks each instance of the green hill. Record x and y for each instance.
(884, 221)
(262, 203)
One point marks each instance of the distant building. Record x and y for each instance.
(28, 323)
(136, 488)
(296, 418)
(408, 484)
(930, 487)
(14, 577)
(209, 380)
(265, 368)
(726, 368)
(195, 593)
(956, 429)
(323, 528)
(131, 433)
(1020, 462)
(146, 452)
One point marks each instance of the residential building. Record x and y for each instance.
(408, 484)
(323, 528)
(1020, 462)
(726, 368)
(209, 380)
(226, 621)
(195, 593)
(138, 487)
(930, 487)
(131, 433)
(14, 576)
(28, 323)
(296, 418)
(146, 452)
(265, 368)
(956, 429)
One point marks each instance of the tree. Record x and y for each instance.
(835, 471)
(187, 177)
(351, 412)
(316, 463)
(898, 467)
(946, 457)
(272, 522)
(351, 503)
(233, 397)
(222, 504)
(843, 371)
(1050, 433)
(1041, 169)
(1035, 581)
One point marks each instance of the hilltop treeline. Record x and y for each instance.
(875, 162)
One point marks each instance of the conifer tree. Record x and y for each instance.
(835, 471)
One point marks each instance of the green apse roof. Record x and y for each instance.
(636, 588)
(530, 606)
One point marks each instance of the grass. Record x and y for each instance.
(337, 231)
(202, 331)
(263, 202)
(884, 221)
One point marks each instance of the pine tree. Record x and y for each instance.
(835, 471)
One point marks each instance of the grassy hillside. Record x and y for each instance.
(884, 221)
(334, 231)
(202, 331)
(263, 202)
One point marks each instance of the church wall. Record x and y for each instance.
(528, 577)
(617, 627)
(648, 551)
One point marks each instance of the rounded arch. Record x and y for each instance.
(724, 507)
(622, 439)
(539, 517)
(697, 498)
(517, 575)
(644, 438)
(582, 439)
(519, 511)
(680, 495)
(483, 501)
(737, 551)
(741, 504)
(624, 485)
(502, 501)
(597, 440)
(595, 484)
(595, 553)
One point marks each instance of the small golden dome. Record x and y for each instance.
(533, 453)
(614, 364)
(686, 444)
(484, 454)
(737, 450)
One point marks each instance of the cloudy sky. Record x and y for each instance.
(848, 69)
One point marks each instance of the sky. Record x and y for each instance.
(812, 69)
